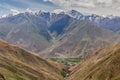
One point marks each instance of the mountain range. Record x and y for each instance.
(79, 39)
(93, 39)
(58, 35)
(109, 22)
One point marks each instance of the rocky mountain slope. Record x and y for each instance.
(108, 22)
(18, 64)
(79, 39)
(58, 34)
(30, 31)
(26, 30)
(104, 64)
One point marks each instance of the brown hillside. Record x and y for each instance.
(104, 64)
(18, 64)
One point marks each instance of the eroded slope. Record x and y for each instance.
(18, 64)
(104, 64)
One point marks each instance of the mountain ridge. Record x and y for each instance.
(81, 38)
(43, 30)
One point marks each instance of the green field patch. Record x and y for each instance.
(66, 61)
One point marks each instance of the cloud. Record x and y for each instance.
(101, 7)
(82, 3)
(22, 5)
(105, 1)
(36, 4)
(47, 0)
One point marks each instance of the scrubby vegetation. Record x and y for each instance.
(19, 64)
(104, 64)
(66, 61)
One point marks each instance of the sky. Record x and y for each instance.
(100, 7)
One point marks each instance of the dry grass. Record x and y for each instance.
(18, 64)
(104, 64)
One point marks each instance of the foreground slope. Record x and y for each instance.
(79, 39)
(18, 64)
(104, 64)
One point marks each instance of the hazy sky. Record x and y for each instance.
(101, 7)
